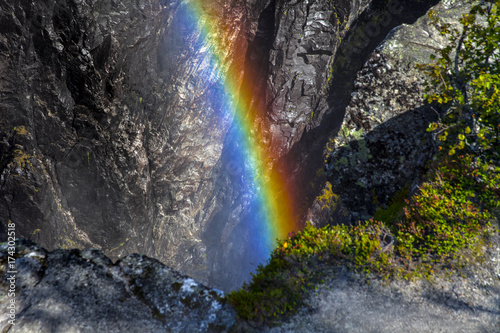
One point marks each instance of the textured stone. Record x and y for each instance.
(105, 141)
(83, 291)
(111, 133)
(383, 145)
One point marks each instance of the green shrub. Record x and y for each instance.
(448, 212)
(451, 211)
(465, 78)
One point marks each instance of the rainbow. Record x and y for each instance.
(274, 219)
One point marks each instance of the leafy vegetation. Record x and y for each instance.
(466, 78)
(411, 238)
(328, 199)
(429, 232)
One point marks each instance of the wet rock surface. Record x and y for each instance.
(111, 134)
(83, 291)
(105, 140)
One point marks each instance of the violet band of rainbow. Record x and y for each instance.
(273, 216)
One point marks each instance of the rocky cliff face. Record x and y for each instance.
(383, 146)
(314, 51)
(107, 139)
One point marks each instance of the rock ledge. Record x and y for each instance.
(83, 291)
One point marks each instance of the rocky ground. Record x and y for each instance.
(83, 291)
(461, 305)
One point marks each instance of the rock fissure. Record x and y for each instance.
(129, 151)
(111, 136)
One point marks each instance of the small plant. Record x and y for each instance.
(451, 211)
(466, 80)
(21, 130)
(66, 243)
(328, 199)
(394, 209)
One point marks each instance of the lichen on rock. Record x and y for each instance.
(135, 294)
(383, 145)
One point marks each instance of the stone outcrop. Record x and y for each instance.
(108, 139)
(383, 145)
(104, 139)
(83, 291)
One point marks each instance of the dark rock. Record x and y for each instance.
(103, 142)
(383, 145)
(83, 291)
(111, 133)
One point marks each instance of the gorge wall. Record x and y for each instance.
(109, 137)
(77, 186)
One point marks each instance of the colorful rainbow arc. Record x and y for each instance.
(274, 198)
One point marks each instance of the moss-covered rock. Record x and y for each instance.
(383, 144)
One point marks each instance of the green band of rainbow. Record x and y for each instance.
(274, 218)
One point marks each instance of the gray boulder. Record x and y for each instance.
(83, 291)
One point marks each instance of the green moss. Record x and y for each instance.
(191, 302)
(66, 243)
(411, 238)
(278, 288)
(21, 130)
(357, 134)
(328, 199)
(395, 207)
(364, 151)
